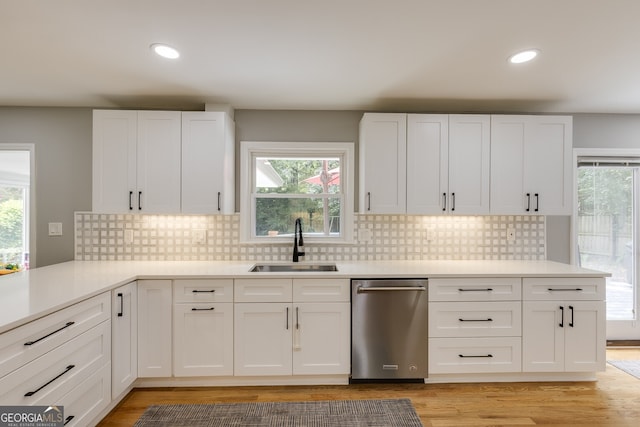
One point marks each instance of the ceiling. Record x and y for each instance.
(376, 55)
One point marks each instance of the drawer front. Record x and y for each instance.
(51, 376)
(263, 290)
(321, 290)
(478, 289)
(203, 290)
(89, 399)
(554, 289)
(21, 345)
(475, 319)
(474, 355)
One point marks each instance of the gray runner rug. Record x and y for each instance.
(335, 413)
(631, 367)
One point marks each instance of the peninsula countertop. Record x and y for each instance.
(28, 295)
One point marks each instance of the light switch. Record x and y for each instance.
(55, 229)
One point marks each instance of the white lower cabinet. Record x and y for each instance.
(307, 333)
(86, 401)
(564, 336)
(475, 325)
(124, 337)
(154, 328)
(564, 325)
(203, 339)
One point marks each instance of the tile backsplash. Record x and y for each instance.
(101, 237)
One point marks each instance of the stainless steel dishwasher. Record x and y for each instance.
(389, 327)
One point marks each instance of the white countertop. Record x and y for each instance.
(25, 296)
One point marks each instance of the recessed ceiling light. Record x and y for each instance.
(165, 51)
(524, 56)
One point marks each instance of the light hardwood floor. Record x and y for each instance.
(612, 400)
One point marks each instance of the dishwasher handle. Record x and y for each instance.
(362, 289)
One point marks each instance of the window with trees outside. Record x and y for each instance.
(282, 182)
(15, 179)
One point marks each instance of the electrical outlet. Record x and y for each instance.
(55, 229)
(365, 235)
(199, 237)
(511, 234)
(128, 237)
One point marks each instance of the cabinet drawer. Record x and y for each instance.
(86, 401)
(551, 289)
(478, 289)
(263, 290)
(474, 355)
(321, 290)
(56, 373)
(475, 319)
(48, 332)
(203, 290)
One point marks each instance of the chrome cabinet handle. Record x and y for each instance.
(453, 202)
(369, 200)
(218, 201)
(297, 317)
(31, 393)
(130, 200)
(476, 320)
(444, 202)
(139, 200)
(203, 309)
(537, 202)
(561, 317)
(198, 291)
(528, 202)
(483, 355)
(571, 321)
(362, 289)
(287, 319)
(475, 290)
(49, 334)
(564, 289)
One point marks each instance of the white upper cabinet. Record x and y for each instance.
(531, 165)
(208, 147)
(448, 158)
(136, 161)
(383, 163)
(163, 162)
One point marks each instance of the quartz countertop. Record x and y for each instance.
(28, 295)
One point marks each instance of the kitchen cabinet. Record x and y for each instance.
(475, 325)
(154, 328)
(306, 332)
(564, 322)
(448, 159)
(383, 163)
(136, 161)
(203, 327)
(531, 171)
(208, 165)
(124, 337)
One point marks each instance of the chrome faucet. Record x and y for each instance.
(298, 243)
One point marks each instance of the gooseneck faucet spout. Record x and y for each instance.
(298, 243)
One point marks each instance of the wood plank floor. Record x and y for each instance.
(613, 400)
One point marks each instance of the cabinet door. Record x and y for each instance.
(154, 328)
(203, 339)
(124, 341)
(262, 344)
(115, 135)
(585, 336)
(207, 163)
(542, 336)
(158, 162)
(321, 338)
(469, 162)
(427, 163)
(507, 164)
(383, 159)
(547, 164)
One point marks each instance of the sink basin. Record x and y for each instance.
(266, 268)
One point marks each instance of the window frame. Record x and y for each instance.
(250, 150)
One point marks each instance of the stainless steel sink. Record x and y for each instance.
(266, 268)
